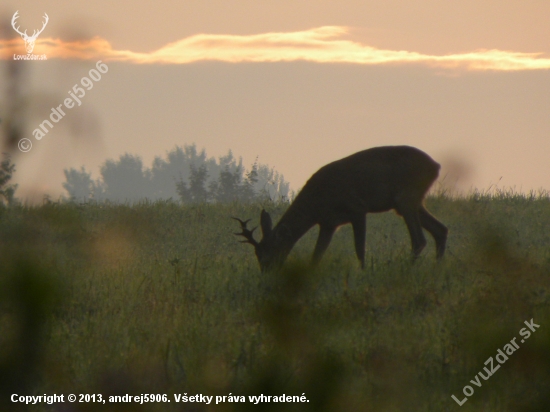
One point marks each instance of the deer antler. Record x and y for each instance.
(43, 26)
(246, 233)
(15, 17)
(34, 33)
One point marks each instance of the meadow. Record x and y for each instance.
(161, 298)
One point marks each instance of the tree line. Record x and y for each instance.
(185, 174)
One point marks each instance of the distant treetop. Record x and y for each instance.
(184, 174)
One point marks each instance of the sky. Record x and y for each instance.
(297, 84)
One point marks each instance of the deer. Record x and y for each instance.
(345, 191)
(29, 40)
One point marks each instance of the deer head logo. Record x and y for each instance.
(29, 40)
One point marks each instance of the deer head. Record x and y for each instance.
(263, 248)
(29, 40)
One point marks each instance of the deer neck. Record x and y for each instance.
(292, 226)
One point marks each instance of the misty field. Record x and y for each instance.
(161, 298)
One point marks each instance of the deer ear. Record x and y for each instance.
(265, 223)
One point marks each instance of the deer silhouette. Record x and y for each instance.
(371, 181)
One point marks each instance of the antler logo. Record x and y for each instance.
(29, 40)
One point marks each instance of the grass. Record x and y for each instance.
(161, 298)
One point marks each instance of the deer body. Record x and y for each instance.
(371, 181)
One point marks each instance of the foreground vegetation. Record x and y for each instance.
(161, 298)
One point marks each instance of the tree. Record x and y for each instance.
(229, 185)
(271, 184)
(176, 168)
(7, 190)
(247, 190)
(79, 184)
(125, 179)
(196, 192)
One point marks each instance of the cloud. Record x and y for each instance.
(325, 44)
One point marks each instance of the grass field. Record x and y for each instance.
(160, 298)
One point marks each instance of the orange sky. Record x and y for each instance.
(296, 83)
(327, 45)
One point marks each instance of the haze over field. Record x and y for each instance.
(298, 85)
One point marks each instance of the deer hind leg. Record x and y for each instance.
(437, 229)
(418, 241)
(325, 236)
(359, 224)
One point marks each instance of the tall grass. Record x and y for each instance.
(161, 298)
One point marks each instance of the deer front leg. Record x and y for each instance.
(325, 236)
(359, 224)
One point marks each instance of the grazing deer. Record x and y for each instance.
(371, 181)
